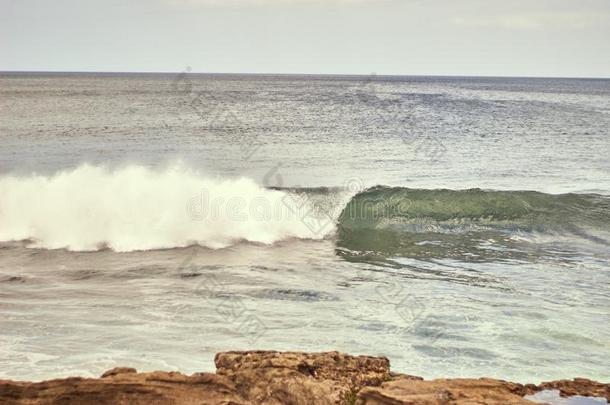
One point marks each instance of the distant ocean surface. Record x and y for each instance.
(458, 226)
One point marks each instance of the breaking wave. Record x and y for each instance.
(136, 208)
(480, 225)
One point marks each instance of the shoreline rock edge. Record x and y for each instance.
(278, 378)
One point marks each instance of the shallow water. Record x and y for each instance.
(98, 267)
(553, 397)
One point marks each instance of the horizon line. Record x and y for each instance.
(296, 74)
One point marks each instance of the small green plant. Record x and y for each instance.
(350, 397)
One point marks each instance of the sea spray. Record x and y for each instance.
(136, 208)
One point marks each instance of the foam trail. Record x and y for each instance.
(136, 208)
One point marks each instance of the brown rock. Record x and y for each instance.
(119, 370)
(403, 391)
(124, 388)
(578, 386)
(274, 378)
(301, 378)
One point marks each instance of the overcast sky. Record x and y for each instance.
(568, 38)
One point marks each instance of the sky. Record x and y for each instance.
(550, 38)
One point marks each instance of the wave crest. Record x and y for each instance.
(442, 210)
(478, 225)
(136, 208)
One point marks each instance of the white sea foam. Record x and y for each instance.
(136, 208)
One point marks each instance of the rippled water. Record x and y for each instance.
(127, 261)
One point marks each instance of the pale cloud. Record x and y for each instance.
(566, 38)
(536, 20)
(263, 2)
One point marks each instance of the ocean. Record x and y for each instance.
(459, 226)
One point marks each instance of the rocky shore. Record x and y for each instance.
(270, 378)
